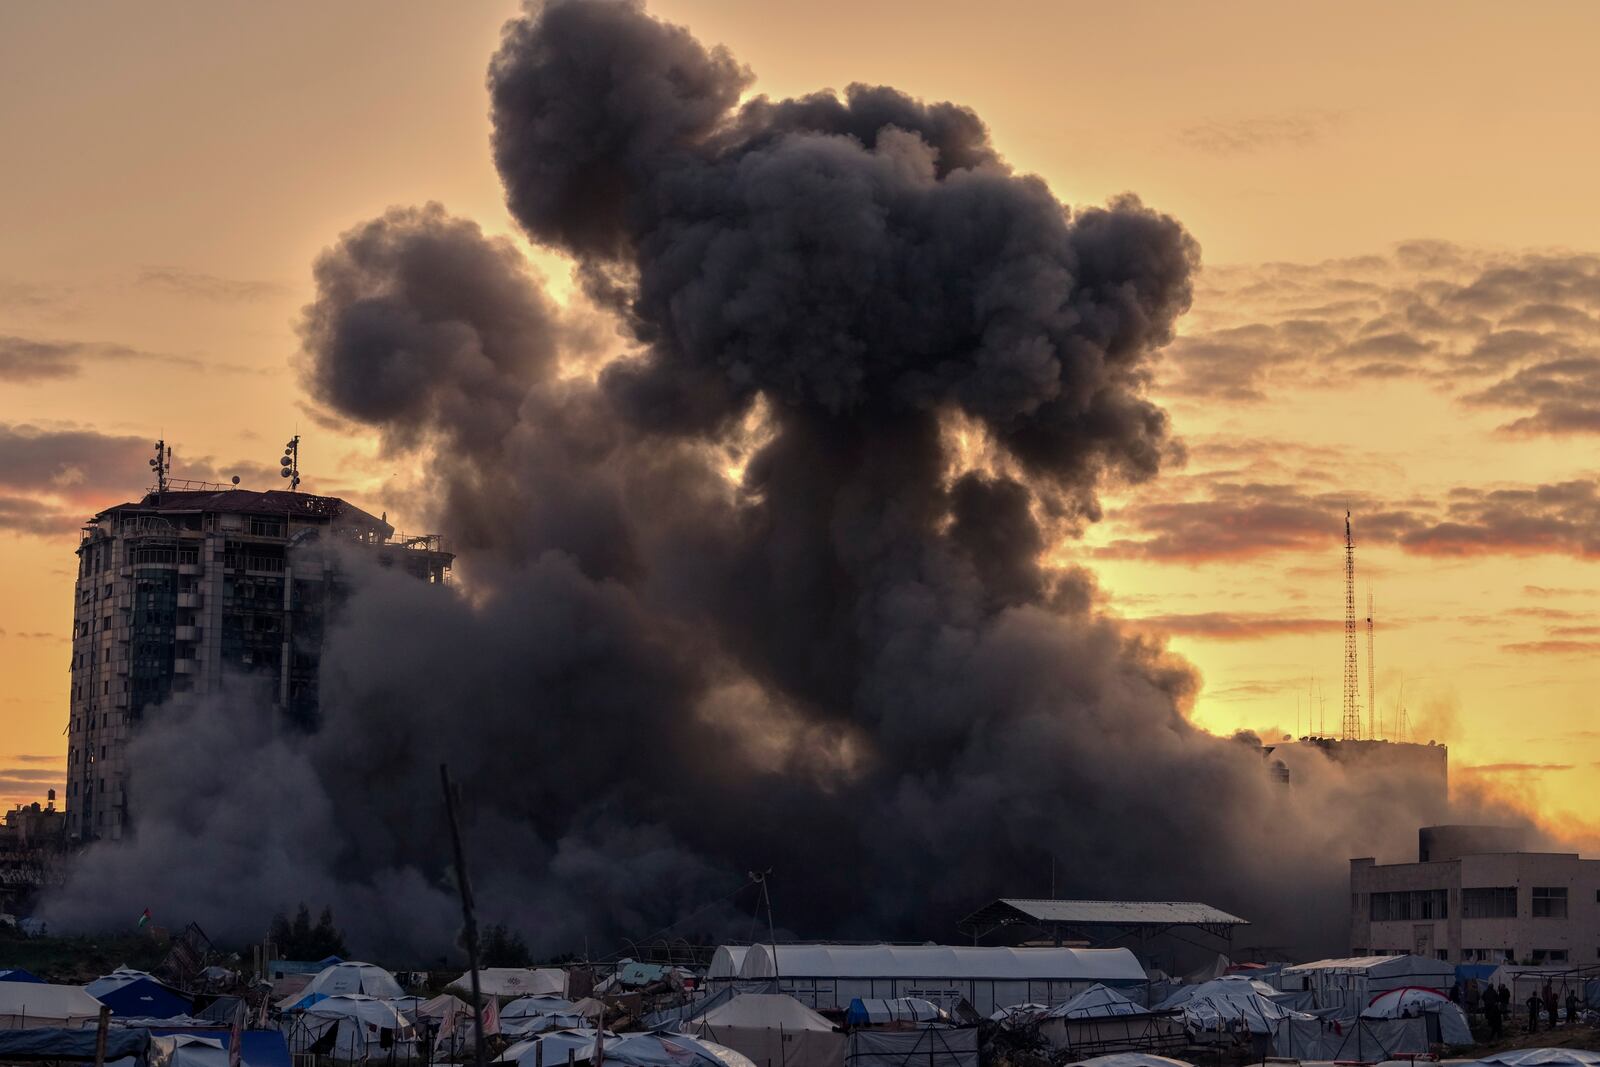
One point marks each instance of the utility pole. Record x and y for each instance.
(1350, 728)
(469, 917)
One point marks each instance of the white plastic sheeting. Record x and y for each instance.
(365, 979)
(937, 1046)
(1229, 1003)
(31, 1005)
(1542, 1057)
(1131, 1059)
(773, 1030)
(900, 1010)
(1412, 1001)
(555, 1047)
(544, 1004)
(1364, 1040)
(516, 981)
(1351, 983)
(1096, 1002)
(361, 1026)
(829, 977)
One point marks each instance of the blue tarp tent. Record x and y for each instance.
(261, 1048)
(48, 1043)
(134, 994)
(17, 974)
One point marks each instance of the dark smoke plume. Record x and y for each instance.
(762, 583)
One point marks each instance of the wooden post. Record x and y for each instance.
(100, 1037)
(469, 919)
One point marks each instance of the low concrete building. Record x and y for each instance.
(1472, 897)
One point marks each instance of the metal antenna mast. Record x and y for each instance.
(161, 464)
(1350, 729)
(1372, 689)
(289, 464)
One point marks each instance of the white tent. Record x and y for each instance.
(361, 1026)
(187, 1050)
(1413, 1001)
(1131, 1059)
(516, 981)
(900, 1011)
(1350, 983)
(31, 1005)
(1019, 1014)
(544, 1004)
(528, 1025)
(1542, 1057)
(1096, 1002)
(772, 1029)
(661, 1048)
(555, 1046)
(364, 979)
(727, 962)
(442, 1007)
(1228, 1003)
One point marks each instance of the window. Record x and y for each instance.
(1498, 902)
(1402, 906)
(1549, 955)
(1550, 902)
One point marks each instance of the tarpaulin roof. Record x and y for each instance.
(727, 961)
(1096, 1002)
(943, 961)
(349, 977)
(52, 1043)
(1230, 1000)
(1131, 1059)
(876, 1012)
(1378, 966)
(516, 981)
(17, 974)
(769, 1011)
(544, 1004)
(135, 993)
(1414, 1000)
(1123, 912)
(1542, 1057)
(261, 1048)
(28, 1005)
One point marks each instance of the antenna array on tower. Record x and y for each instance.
(1350, 728)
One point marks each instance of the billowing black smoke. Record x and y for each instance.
(759, 579)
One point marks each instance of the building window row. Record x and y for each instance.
(1485, 902)
(1550, 902)
(1414, 904)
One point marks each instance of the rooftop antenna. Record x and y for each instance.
(161, 463)
(1400, 712)
(290, 463)
(1372, 685)
(1350, 727)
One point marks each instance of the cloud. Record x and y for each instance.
(52, 479)
(1239, 136)
(1516, 768)
(1225, 626)
(25, 360)
(1560, 519)
(53, 758)
(209, 286)
(1553, 648)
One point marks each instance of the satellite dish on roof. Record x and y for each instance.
(283, 472)
(235, 479)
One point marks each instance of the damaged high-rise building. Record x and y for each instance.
(189, 585)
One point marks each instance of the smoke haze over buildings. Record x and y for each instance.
(753, 542)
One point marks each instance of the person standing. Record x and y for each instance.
(1534, 1004)
(1572, 1007)
(1491, 1013)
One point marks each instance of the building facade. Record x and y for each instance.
(188, 586)
(1472, 898)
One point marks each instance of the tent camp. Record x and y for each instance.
(31, 1005)
(353, 977)
(1350, 984)
(135, 994)
(1443, 1015)
(516, 981)
(349, 1027)
(551, 1049)
(726, 962)
(829, 977)
(774, 1030)
(51, 1045)
(17, 974)
(187, 1050)
(654, 1048)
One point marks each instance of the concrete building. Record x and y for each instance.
(1473, 898)
(194, 583)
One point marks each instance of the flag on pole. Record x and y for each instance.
(491, 1017)
(236, 1036)
(144, 919)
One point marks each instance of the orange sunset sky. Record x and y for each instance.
(1399, 309)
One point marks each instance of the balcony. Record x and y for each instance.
(186, 633)
(188, 600)
(185, 666)
(188, 568)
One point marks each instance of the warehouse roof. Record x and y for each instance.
(1122, 912)
(942, 961)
